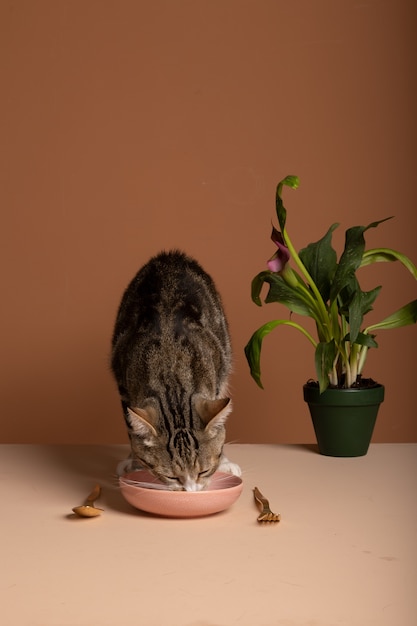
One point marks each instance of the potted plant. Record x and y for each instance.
(327, 289)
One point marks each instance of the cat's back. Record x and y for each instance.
(173, 278)
(170, 283)
(171, 309)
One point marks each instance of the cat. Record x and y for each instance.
(171, 358)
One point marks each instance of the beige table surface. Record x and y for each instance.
(343, 554)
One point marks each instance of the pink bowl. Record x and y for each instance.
(222, 491)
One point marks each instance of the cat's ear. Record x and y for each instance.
(213, 413)
(142, 421)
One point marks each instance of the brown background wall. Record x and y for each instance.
(131, 126)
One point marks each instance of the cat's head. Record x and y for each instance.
(181, 458)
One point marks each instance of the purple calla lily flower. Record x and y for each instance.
(281, 257)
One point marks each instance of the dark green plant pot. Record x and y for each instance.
(344, 419)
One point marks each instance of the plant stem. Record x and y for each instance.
(302, 330)
(353, 362)
(333, 376)
(310, 301)
(348, 373)
(321, 307)
(362, 358)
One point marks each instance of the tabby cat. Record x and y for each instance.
(171, 358)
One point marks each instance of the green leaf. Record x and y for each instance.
(405, 316)
(364, 340)
(256, 288)
(253, 349)
(290, 181)
(280, 291)
(388, 255)
(324, 358)
(320, 259)
(351, 257)
(347, 294)
(254, 345)
(358, 304)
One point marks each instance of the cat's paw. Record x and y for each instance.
(229, 467)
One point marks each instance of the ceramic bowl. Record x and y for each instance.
(222, 491)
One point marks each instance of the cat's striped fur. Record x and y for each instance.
(171, 357)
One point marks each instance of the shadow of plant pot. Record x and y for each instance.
(344, 419)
